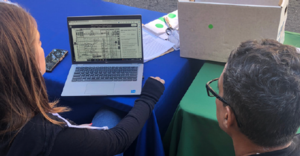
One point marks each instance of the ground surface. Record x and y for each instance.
(293, 21)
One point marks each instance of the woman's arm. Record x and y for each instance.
(72, 141)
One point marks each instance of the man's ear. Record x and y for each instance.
(229, 118)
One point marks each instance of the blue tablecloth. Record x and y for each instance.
(51, 17)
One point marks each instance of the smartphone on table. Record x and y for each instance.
(54, 57)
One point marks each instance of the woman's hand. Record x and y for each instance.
(158, 79)
(153, 88)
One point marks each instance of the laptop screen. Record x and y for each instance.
(103, 40)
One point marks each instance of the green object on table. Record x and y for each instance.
(292, 38)
(194, 129)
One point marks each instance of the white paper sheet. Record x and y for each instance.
(154, 46)
(158, 26)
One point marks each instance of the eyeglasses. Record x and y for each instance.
(212, 93)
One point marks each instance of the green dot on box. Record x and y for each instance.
(159, 25)
(171, 15)
(210, 26)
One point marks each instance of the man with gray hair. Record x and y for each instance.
(258, 100)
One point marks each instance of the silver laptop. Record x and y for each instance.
(107, 56)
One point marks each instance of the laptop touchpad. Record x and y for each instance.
(99, 88)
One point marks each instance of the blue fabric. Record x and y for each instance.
(107, 117)
(51, 17)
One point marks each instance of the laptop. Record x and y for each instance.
(107, 56)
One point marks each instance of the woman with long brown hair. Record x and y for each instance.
(29, 123)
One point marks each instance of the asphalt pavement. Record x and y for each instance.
(166, 6)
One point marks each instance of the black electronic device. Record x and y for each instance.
(54, 57)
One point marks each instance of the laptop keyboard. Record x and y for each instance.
(105, 74)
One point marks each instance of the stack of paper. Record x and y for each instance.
(158, 26)
(154, 46)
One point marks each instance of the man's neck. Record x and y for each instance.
(244, 147)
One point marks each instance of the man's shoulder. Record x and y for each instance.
(297, 138)
(294, 148)
(296, 141)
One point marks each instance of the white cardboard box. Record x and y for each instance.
(211, 29)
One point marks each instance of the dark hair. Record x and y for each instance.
(22, 88)
(262, 83)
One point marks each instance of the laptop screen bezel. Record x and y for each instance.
(114, 61)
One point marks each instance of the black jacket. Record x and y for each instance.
(41, 137)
